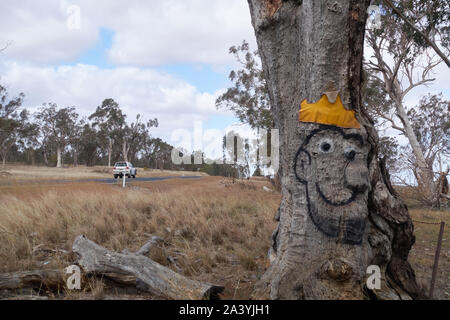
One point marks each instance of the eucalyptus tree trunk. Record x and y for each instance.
(44, 153)
(125, 149)
(110, 145)
(33, 157)
(422, 169)
(58, 157)
(75, 157)
(339, 213)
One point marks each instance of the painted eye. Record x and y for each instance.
(326, 146)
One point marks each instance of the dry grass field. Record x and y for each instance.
(214, 230)
(423, 251)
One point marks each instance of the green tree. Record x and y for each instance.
(110, 121)
(135, 136)
(14, 124)
(75, 139)
(57, 125)
(423, 21)
(89, 145)
(248, 98)
(158, 153)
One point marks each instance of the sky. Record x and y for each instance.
(165, 59)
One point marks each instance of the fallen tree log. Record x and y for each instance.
(445, 196)
(158, 279)
(149, 245)
(52, 279)
(48, 279)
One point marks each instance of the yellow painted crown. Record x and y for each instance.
(325, 112)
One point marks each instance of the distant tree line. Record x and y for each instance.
(54, 136)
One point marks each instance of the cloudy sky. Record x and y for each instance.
(166, 59)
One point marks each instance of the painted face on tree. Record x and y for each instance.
(333, 167)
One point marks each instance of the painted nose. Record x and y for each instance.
(350, 155)
(356, 176)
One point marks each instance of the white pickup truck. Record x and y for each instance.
(124, 168)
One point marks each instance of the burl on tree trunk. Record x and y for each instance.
(338, 213)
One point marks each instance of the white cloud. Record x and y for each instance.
(146, 33)
(180, 31)
(37, 31)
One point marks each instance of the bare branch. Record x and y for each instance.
(8, 43)
(413, 85)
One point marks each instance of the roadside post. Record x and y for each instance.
(123, 181)
(436, 259)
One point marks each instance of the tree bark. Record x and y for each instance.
(125, 149)
(33, 157)
(109, 152)
(32, 279)
(58, 157)
(338, 215)
(75, 157)
(4, 150)
(149, 245)
(54, 279)
(425, 179)
(44, 153)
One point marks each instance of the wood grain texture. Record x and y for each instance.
(45, 279)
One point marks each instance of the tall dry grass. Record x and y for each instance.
(205, 225)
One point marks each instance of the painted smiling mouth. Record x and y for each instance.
(353, 227)
(354, 189)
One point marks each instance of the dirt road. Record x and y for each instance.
(103, 180)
